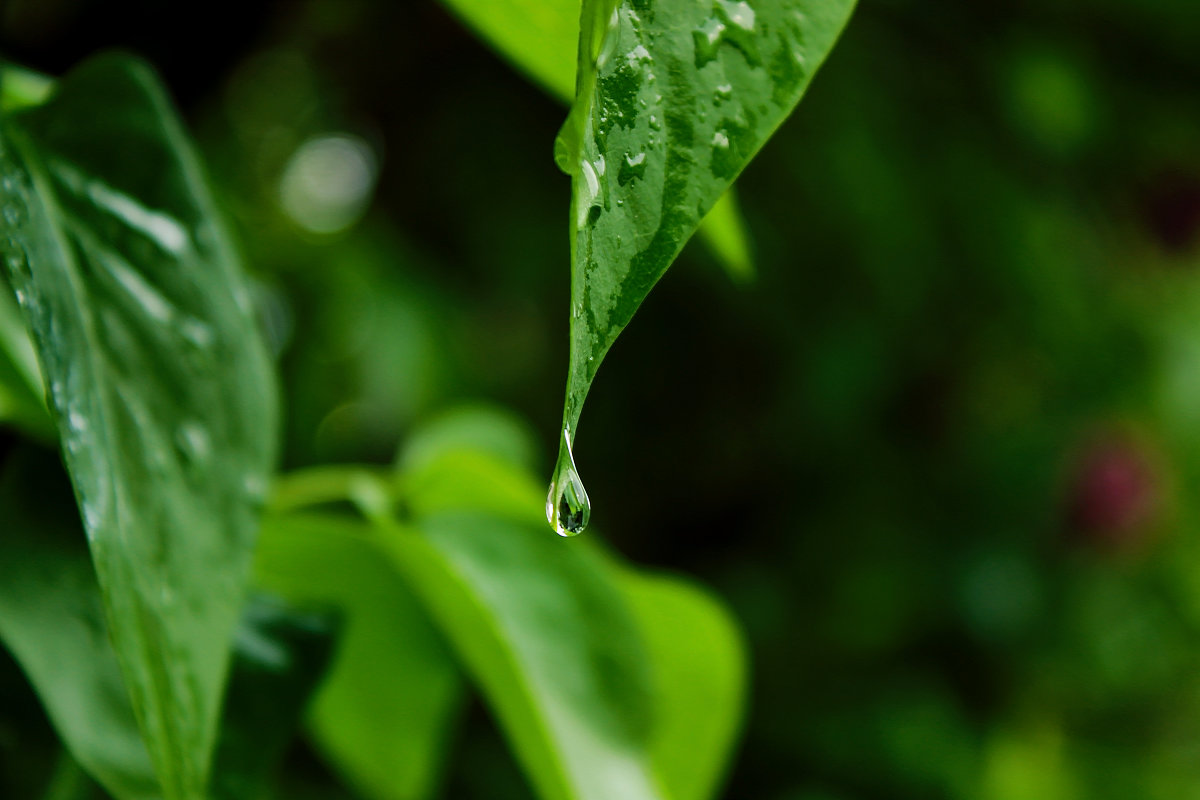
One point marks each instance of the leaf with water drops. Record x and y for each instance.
(541, 38)
(674, 98)
(157, 377)
(52, 621)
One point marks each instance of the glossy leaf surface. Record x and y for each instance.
(52, 620)
(541, 38)
(383, 715)
(674, 99)
(158, 380)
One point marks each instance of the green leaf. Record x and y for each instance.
(384, 713)
(699, 669)
(548, 639)
(725, 233)
(52, 620)
(280, 656)
(472, 427)
(674, 99)
(158, 379)
(541, 39)
(598, 673)
(21, 402)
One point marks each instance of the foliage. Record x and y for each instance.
(157, 379)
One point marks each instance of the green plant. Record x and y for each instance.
(386, 590)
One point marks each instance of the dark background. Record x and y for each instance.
(940, 457)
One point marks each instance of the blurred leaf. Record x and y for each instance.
(492, 430)
(20, 378)
(674, 98)
(52, 620)
(159, 380)
(595, 670)
(280, 655)
(541, 38)
(698, 662)
(21, 88)
(546, 635)
(725, 232)
(384, 713)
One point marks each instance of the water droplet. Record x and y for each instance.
(589, 193)
(722, 93)
(736, 13)
(638, 56)
(707, 39)
(632, 167)
(567, 506)
(720, 140)
(732, 22)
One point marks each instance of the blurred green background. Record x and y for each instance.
(940, 457)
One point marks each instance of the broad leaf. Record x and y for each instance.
(384, 713)
(541, 38)
(158, 380)
(674, 99)
(599, 674)
(52, 620)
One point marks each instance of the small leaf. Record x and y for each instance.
(725, 232)
(52, 620)
(674, 98)
(384, 713)
(159, 382)
(541, 38)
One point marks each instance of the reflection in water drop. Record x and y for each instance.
(567, 506)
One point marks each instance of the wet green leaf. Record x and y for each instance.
(52, 620)
(674, 98)
(384, 713)
(541, 38)
(158, 380)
